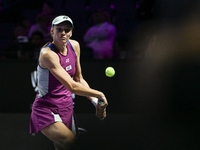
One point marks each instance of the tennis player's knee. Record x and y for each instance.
(66, 141)
(65, 137)
(59, 134)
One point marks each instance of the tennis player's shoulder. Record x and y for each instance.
(74, 43)
(75, 46)
(46, 53)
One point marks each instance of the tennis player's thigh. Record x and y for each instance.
(58, 132)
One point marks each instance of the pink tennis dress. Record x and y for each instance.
(53, 102)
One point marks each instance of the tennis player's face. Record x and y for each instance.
(62, 32)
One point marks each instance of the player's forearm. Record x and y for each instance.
(82, 81)
(82, 90)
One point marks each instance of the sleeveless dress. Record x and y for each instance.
(53, 102)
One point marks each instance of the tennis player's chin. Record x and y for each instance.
(64, 41)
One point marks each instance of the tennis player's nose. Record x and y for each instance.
(63, 32)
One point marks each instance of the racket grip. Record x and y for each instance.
(100, 102)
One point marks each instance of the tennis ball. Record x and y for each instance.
(110, 71)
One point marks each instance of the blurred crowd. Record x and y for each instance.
(102, 39)
(28, 37)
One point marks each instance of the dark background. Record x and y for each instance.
(153, 100)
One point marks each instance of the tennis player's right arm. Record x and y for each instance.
(49, 59)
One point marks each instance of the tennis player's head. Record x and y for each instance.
(62, 26)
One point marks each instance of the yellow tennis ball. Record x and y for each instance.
(110, 71)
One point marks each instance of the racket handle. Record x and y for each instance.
(100, 102)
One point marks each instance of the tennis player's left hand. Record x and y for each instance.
(101, 108)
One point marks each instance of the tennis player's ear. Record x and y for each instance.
(51, 31)
(71, 34)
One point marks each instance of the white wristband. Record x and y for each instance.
(95, 101)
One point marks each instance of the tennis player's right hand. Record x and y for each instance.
(101, 108)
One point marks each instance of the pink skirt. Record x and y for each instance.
(43, 116)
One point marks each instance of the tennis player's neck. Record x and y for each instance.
(62, 48)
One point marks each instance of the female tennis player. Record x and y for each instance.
(59, 75)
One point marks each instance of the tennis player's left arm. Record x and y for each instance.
(78, 74)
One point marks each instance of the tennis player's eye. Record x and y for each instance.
(59, 30)
(67, 30)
